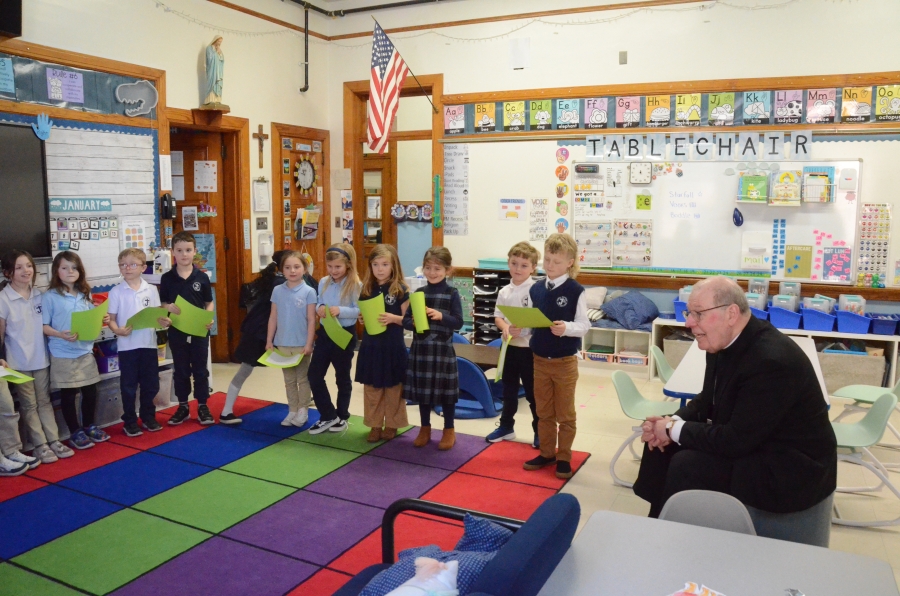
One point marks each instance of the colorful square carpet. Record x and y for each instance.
(254, 509)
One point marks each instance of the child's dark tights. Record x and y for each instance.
(449, 411)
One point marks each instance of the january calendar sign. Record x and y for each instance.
(65, 85)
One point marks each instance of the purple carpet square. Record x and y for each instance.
(401, 449)
(221, 567)
(378, 481)
(312, 527)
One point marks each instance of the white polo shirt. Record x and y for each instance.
(26, 348)
(516, 295)
(124, 303)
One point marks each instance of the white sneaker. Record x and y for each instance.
(19, 457)
(289, 419)
(301, 417)
(11, 468)
(45, 454)
(61, 451)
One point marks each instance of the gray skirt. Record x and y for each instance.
(71, 373)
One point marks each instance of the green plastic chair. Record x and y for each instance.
(636, 407)
(857, 437)
(662, 365)
(864, 396)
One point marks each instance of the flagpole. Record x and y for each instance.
(433, 107)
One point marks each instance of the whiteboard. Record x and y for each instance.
(706, 242)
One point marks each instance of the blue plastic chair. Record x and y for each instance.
(475, 397)
(460, 339)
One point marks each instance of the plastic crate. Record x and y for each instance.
(848, 322)
(816, 320)
(634, 360)
(784, 319)
(595, 357)
(669, 316)
(680, 307)
(760, 314)
(884, 324)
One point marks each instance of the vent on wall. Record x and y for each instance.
(10, 18)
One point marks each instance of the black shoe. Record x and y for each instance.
(133, 430)
(229, 419)
(180, 415)
(152, 425)
(322, 425)
(563, 469)
(539, 462)
(204, 416)
(339, 427)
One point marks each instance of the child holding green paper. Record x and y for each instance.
(138, 361)
(381, 366)
(72, 363)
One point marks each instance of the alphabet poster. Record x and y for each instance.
(820, 105)
(887, 106)
(856, 104)
(757, 107)
(513, 116)
(657, 110)
(595, 112)
(541, 114)
(628, 112)
(721, 109)
(484, 117)
(788, 106)
(454, 120)
(687, 109)
(568, 114)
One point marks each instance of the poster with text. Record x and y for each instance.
(837, 266)
(657, 110)
(64, 85)
(454, 120)
(628, 112)
(687, 109)
(539, 220)
(206, 176)
(513, 116)
(541, 114)
(485, 117)
(512, 209)
(820, 105)
(568, 113)
(595, 112)
(757, 107)
(756, 251)
(720, 108)
(856, 104)
(887, 103)
(788, 106)
(798, 261)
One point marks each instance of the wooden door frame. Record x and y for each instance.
(277, 131)
(236, 197)
(356, 94)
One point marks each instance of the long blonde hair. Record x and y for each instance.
(398, 288)
(344, 252)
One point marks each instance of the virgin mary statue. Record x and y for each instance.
(215, 68)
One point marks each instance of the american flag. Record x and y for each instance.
(388, 73)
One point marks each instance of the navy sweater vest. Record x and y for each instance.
(558, 304)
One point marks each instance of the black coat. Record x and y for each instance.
(768, 415)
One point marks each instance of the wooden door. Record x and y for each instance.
(207, 146)
(378, 183)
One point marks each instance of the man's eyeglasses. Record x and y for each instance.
(697, 313)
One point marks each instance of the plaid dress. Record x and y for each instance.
(432, 376)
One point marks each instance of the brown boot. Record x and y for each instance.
(424, 436)
(374, 435)
(448, 439)
(388, 433)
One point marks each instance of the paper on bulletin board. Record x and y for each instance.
(756, 251)
(837, 263)
(206, 177)
(189, 219)
(512, 209)
(65, 85)
(539, 220)
(7, 79)
(178, 188)
(261, 195)
(165, 172)
(798, 261)
(177, 162)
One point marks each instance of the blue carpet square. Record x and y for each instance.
(44, 515)
(136, 478)
(268, 421)
(216, 446)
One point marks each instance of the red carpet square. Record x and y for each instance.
(504, 460)
(325, 581)
(84, 460)
(18, 485)
(150, 440)
(500, 497)
(409, 531)
(243, 405)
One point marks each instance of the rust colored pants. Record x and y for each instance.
(384, 407)
(554, 396)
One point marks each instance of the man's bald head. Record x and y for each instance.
(724, 290)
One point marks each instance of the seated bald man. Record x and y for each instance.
(758, 431)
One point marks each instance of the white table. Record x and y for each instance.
(624, 555)
(687, 380)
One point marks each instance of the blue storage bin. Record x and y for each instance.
(784, 319)
(816, 320)
(759, 314)
(667, 315)
(884, 324)
(848, 322)
(680, 307)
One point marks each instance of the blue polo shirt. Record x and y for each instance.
(57, 312)
(331, 296)
(291, 303)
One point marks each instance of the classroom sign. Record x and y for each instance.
(887, 103)
(721, 109)
(485, 117)
(568, 113)
(454, 120)
(628, 112)
(757, 107)
(64, 85)
(7, 79)
(80, 205)
(513, 116)
(541, 114)
(820, 105)
(595, 112)
(788, 106)
(656, 107)
(856, 104)
(687, 109)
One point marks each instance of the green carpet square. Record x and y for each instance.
(18, 582)
(111, 552)
(352, 440)
(215, 501)
(292, 463)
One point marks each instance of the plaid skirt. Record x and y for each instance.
(432, 377)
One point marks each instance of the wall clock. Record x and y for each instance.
(640, 172)
(306, 175)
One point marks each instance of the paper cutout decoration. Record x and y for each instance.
(687, 109)
(541, 114)
(820, 105)
(788, 106)
(887, 103)
(657, 110)
(798, 261)
(513, 116)
(454, 120)
(856, 104)
(485, 117)
(596, 110)
(628, 112)
(757, 107)
(721, 109)
(568, 113)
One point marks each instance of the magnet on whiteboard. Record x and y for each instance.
(737, 217)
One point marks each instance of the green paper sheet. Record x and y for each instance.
(501, 361)
(147, 318)
(14, 376)
(371, 309)
(192, 320)
(525, 318)
(420, 317)
(88, 323)
(333, 328)
(276, 359)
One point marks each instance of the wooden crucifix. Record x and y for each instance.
(261, 138)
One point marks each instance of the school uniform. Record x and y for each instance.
(255, 327)
(381, 367)
(328, 353)
(26, 352)
(189, 352)
(519, 364)
(138, 356)
(292, 327)
(555, 363)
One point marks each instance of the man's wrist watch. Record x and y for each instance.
(669, 425)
